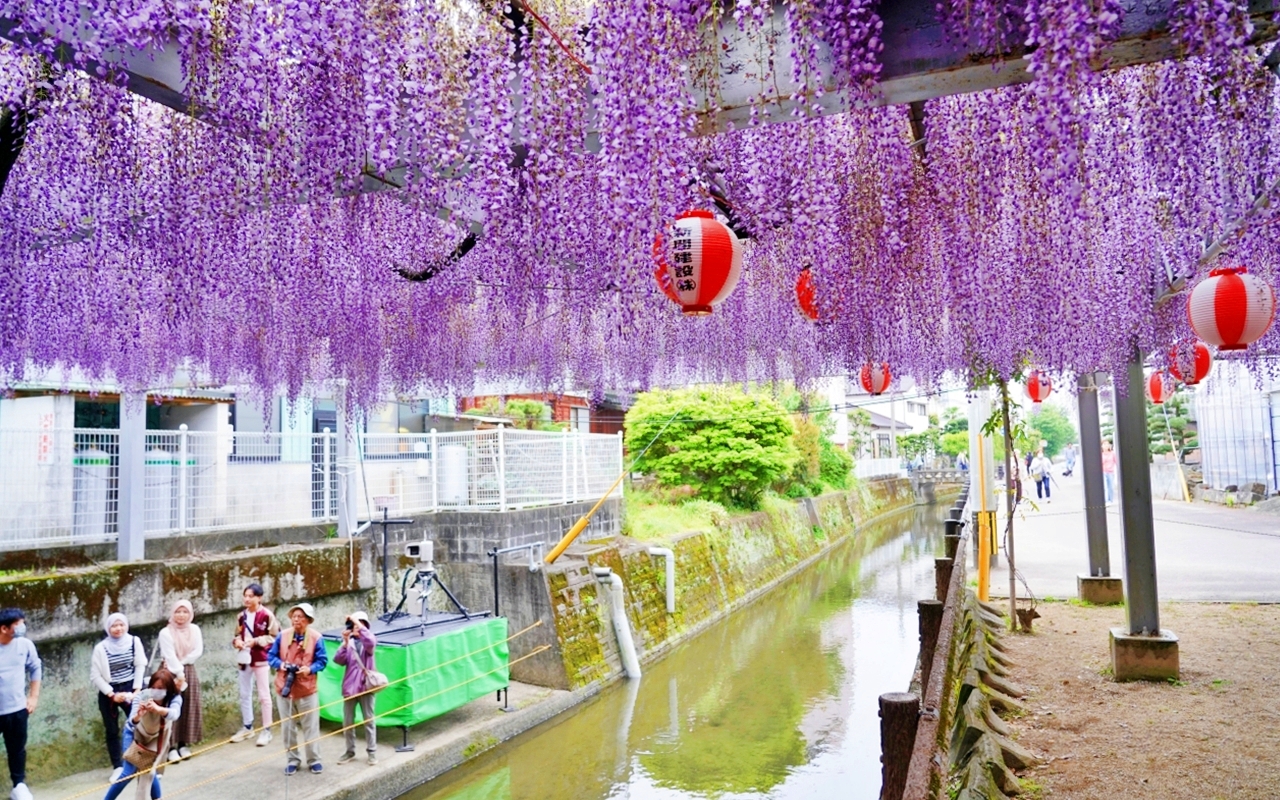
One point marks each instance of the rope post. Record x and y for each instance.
(899, 716)
(942, 577)
(930, 612)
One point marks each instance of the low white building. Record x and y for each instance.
(1238, 427)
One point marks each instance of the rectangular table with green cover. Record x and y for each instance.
(449, 666)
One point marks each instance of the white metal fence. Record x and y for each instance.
(867, 468)
(60, 486)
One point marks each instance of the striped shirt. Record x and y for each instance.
(122, 664)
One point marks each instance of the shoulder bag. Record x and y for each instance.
(374, 681)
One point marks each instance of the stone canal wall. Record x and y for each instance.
(65, 611)
(717, 571)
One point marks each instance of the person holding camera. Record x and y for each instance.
(152, 713)
(297, 655)
(356, 654)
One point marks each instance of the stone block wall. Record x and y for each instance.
(717, 571)
(65, 612)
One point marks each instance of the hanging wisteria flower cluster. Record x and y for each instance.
(515, 162)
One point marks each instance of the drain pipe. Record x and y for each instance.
(671, 575)
(621, 627)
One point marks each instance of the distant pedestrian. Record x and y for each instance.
(962, 462)
(1041, 469)
(256, 629)
(152, 715)
(356, 654)
(116, 669)
(20, 676)
(181, 644)
(1069, 457)
(1109, 471)
(297, 655)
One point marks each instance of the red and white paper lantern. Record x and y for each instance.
(806, 295)
(1039, 386)
(1231, 309)
(706, 261)
(1190, 362)
(1159, 386)
(875, 378)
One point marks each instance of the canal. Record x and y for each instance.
(778, 701)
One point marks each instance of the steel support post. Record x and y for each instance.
(1095, 512)
(348, 461)
(1141, 598)
(131, 506)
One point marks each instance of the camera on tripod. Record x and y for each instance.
(424, 553)
(290, 672)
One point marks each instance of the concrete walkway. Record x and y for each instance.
(256, 773)
(1203, 551)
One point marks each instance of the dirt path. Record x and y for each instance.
(1213, 735)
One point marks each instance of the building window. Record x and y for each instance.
(917, 408)
(580, 419)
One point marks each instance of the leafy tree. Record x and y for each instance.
(859, 429)
(1168, 425)
(726, 444)
(532, 415)
(1051, 425)
(954, 443)
(836, 466)
(954, 422)
(923, 444)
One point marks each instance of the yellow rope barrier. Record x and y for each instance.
(143, 773)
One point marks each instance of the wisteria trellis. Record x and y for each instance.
(1034, 225)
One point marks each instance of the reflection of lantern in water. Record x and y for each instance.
(706, 261)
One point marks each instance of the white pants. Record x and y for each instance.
(262, 673)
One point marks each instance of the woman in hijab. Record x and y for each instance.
(181, 643)
(116, 670)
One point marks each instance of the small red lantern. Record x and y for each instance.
(1231, 309)
(1039, 386)
(706, 261)
(805, 295)
(875, 378)
(1190, 363)
(1159, 386)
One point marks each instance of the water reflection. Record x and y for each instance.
(779, 701)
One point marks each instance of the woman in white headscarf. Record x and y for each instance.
(116, 669)
(181, 644)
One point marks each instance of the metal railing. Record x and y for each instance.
(868, 468)
(62, 486)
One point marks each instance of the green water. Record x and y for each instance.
(778, 701)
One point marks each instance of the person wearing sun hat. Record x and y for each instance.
(297, 655)
(356, 654)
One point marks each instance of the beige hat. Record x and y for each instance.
(363, 617)
(305, 608)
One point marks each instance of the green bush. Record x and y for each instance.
(725, 443)
(836, 465)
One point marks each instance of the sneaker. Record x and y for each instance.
(115, 774)
(242, 734)
(174, 755)
(346, 758)
(264, 738)
(317, 768)
(185, 752)
(290, 768)
(20, 792)
(373, 760)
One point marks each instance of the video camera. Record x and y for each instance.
(290, 672)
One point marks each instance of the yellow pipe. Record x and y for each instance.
(581, 524)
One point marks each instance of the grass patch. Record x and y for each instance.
(1220, 683)
(1107, 672)
(650, 518)
(1030, 789)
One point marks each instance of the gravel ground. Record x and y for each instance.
(1213, 735)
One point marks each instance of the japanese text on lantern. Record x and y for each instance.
(682, 256)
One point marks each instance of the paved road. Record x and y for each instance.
(1203, 551)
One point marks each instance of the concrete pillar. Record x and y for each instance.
(131, 509)
(1097, 586)
(1135, 503)
(348, 471)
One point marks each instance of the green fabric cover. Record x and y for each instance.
(433, 693)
